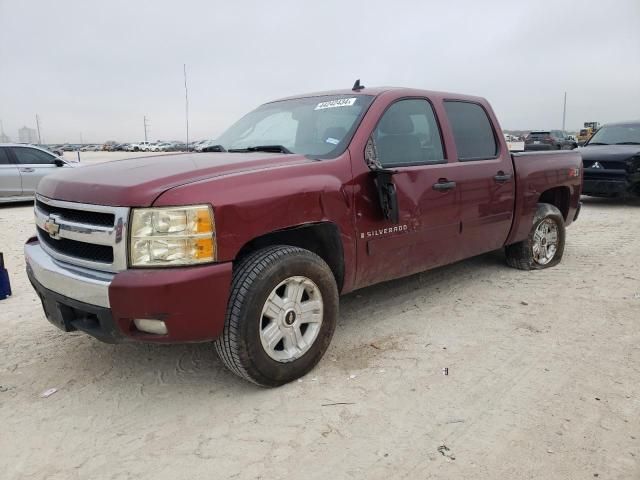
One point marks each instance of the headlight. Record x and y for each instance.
(172, 236)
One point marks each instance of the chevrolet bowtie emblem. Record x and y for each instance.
(596, 165)
(51, 227)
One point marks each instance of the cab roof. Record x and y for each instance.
(377, 91)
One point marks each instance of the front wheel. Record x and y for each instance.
(281, 315)
(544, 246)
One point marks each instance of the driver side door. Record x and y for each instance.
(408, 142)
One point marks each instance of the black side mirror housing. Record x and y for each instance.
(59, 163)
(382, 177)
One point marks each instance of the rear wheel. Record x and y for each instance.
(281, 315)
(544, 246)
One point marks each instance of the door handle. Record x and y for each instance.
(27, 170)
(443, 185)
(502, 177)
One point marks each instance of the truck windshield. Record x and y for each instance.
(320, 127)
(622, 134)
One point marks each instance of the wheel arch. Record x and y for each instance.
(559, 197)
(321, 238)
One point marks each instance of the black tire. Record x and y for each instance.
(254, 278)
(521, 255)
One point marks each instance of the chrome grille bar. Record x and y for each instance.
(58, 227)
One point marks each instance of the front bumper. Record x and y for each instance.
(606, 187)
(192, 301)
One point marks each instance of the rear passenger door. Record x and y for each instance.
(408, 141)
(33, 164)
(10, 183)
(486, 181)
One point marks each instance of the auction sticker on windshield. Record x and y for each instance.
(340, 102)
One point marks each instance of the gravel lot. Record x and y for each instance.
(544, 380)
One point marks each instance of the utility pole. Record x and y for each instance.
(146, 124)
(186, 102)
(564, 111)
(38, 126)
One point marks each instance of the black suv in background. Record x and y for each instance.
(611, 161)
(549, 140)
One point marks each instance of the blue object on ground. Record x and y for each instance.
(5, 286)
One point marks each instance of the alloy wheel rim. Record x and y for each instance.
(291, 319)
(545, 242)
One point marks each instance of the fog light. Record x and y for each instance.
(157, 327)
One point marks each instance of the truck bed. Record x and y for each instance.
(544, 173)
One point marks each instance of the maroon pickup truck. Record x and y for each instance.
(301, 200)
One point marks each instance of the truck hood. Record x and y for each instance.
(601, 153)
(138, 182)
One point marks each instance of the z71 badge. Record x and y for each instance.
(384, 231)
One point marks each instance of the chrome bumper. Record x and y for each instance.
(78, 283)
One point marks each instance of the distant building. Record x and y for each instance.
(27, 135)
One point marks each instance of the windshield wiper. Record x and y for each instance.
(628, 143)
(596, 143)
(263, 148)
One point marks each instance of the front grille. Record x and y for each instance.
(81, 250)
(86, 235)
(606, 164)
(79, 216)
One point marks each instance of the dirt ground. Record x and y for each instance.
(543, 380)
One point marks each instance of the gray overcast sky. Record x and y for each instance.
(96, 66)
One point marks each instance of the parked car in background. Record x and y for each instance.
(611, 160)
(161, 147)
(69, 148)
(549, 140)
(21, 169)
(311, 196)
(199, 146)
(140, 147)
(179, 147)
(514, 144)
(56, 150)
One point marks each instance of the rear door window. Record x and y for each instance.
(31, 156)
(472, 131)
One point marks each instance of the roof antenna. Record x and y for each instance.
(356, 86)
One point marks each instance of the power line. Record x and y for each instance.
(186, 102)
(38, 127)
(146, 124)
(564, 111)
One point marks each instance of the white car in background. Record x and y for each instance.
(515, 144)
(140, 147)
(21, 169)
(161, 147)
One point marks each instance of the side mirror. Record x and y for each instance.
(59, 162)
(383, 179)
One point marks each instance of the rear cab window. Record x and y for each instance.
(472, 131)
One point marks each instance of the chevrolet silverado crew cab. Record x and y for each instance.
(303, 199)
